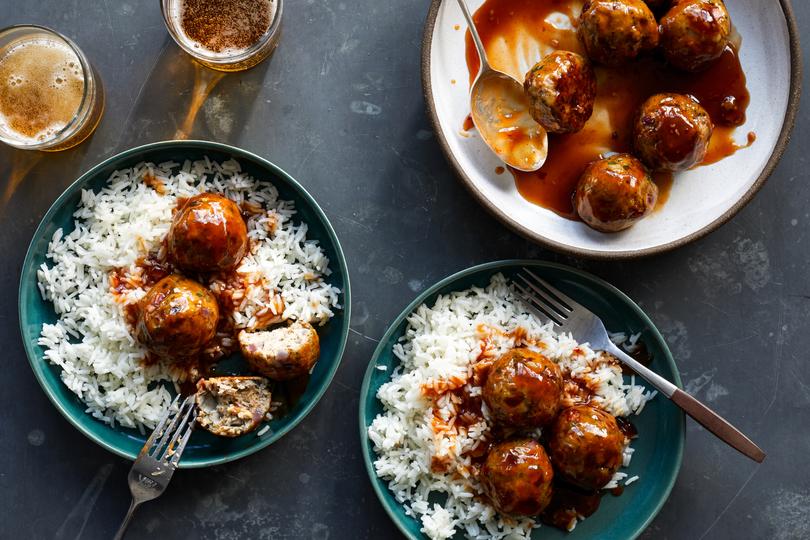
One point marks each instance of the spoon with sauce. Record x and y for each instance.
(500, 111)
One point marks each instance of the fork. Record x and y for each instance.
(158, 459)
(547, 302)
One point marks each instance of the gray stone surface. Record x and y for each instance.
(340, 107)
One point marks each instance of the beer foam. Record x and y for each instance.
(222, 28)
(41, 88)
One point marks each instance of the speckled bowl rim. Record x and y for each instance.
(781, 144)
(364, 422)
(39, 364)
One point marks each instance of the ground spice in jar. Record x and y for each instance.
(223, 25)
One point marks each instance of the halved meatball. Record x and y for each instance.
(586, 446)
(517, 477)
(523, 389)
(232, 406)
(695, 32)
(615, 32)
(614, 193)
(282, 353)
(561, 89)
(672, 132)
(177, 317)
(208, 234)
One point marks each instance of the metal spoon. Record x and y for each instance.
(500, 111)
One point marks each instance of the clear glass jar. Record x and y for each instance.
(237, 60)
(51, 65)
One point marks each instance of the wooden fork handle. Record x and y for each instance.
(717, 425)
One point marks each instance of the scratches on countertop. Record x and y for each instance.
(75, 522)
(353, 331)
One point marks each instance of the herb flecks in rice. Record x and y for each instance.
(125, 220)
(423, 448)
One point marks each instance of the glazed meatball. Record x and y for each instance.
(232, 406)
(694, 33)
(208, 234)
(523, 389)
(517, 477)
(586, 446)
(672, 132)
(282, 353)
(177, 317)
(617, 31)
(614, 193)
(561, 89)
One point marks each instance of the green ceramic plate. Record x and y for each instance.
(204, 449)
(659, 448)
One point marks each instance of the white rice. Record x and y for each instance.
(91, 340)
(440, 345)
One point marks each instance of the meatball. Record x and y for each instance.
(283, 353)
(177, 317)
(523, 389)
(694, 33)
(672, 132)
(614, 193)
(232, 406)
(561, 89)
(617, 31)
(517, 477)
(208, 234)
(586, 446)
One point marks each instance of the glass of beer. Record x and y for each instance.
(50, 96)
(226, 35)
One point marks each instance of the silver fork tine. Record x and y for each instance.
(537, 308)
(167, 433)
(182, 446)
(559, 307)
(183, 424)
(159, 429)
(562, 297)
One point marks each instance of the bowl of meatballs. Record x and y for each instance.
(478, 420)
(191, 268)
(663, 117)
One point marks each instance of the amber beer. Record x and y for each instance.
(227, 35)
(50, 97)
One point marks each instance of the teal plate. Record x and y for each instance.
(658, 450)
(203, 449)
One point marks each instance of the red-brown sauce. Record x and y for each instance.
(153, 267)
(508, 30)
(468, 123)
(568, 502)
(627, 427)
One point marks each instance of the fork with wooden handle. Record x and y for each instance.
(567, 315)
(159, 457)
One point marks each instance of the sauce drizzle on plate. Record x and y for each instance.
(518, 33)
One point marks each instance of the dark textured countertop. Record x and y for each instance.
(340, 107)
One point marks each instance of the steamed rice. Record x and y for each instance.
(438, 350)
(91, 341)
